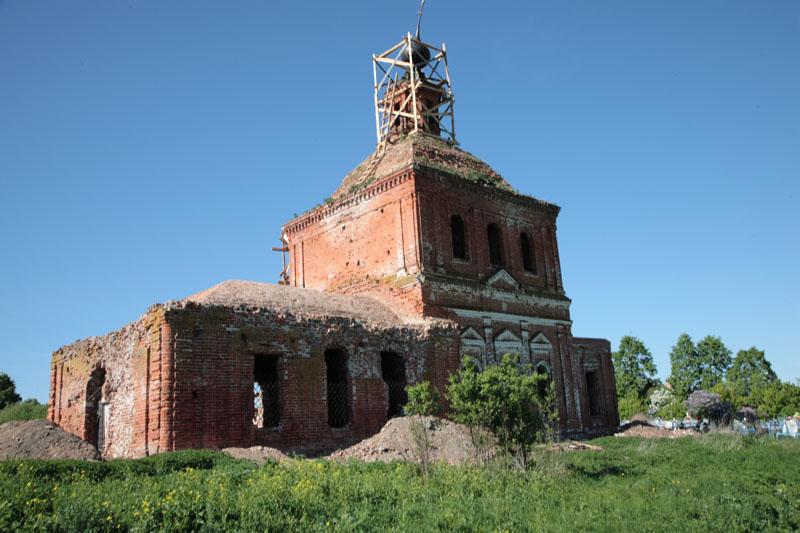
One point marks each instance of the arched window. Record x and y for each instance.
(544, 385)
(528, 254)
(495, 245)
(338, 393)
(459, 235)
(95, 409)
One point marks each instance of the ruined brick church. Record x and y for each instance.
(422, 257)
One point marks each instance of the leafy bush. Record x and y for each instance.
(629, 405)
(660, 398)
(505, 401)
(702, 404)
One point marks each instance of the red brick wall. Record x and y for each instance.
(599, 350)
(127, 357)
(199, 380)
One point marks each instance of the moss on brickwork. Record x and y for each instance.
(293, 340)
(308, 372)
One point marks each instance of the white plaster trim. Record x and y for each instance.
(470, 334)
(540, 341)
(502, 275)
(508, 317)
(506, 336)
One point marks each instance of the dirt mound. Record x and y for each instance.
(259, 454)
(642, 429)
(451, 443)
(42, 439)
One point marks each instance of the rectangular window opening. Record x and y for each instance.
(592, 390)
(266, 391)
(393, 372)
(338, 393)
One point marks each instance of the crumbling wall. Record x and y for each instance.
(215, 349)
(122, 402)
(595, 356)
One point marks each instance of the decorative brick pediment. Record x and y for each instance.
(540, 341)
(503, 281)
(471, 334)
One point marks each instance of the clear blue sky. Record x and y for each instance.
(151, 149)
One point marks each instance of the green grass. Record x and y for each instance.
(710, 483)
(22, 411)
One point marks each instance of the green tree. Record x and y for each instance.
(504, 400)
(8, 391)
(777, 398)
(714, 359)
(749, 371)
(685, 373)
(634, 368)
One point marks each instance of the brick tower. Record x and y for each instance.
(439, 232)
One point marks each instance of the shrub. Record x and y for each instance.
(702, 404)
(504, 400)
(629, 405)
(423, 401)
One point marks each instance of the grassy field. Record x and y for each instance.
(709, 483)
(22, 411)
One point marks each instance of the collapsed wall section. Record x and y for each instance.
(598, 385)
(107, 390)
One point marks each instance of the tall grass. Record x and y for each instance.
(22, 411)
(689, 484)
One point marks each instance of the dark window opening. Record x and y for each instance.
(459, 235)
(338, 395)
(528, 253)
(266, 391)
(593, 393)
(543, 385)
(495, 245)
(393, 371)
(95, 409)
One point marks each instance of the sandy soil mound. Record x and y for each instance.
(259, 454)
(642, 429)
(451, 443)
(42, 439)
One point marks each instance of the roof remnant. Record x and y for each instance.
(426, 151)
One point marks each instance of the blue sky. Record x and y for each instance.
(149, 150)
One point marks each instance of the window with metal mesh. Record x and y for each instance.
(266, 391)
(338, 393)
(393, 371)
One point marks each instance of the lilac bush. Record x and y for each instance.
(702, 404)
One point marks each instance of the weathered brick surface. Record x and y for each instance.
(372, 271)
